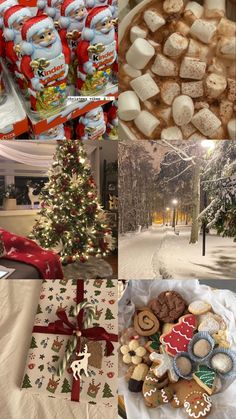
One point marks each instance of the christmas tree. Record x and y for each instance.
(26, 382)
(39, 309)
(110, 284)
(178, 338)
(107, 391)
(33, 343)
(71, 220)
(109, 315)
(66, 386)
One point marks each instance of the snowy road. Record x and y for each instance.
(160, 253)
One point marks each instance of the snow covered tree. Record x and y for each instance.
(219, 182)
(71, 220)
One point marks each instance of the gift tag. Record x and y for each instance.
(95, 349)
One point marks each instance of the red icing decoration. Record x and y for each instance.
(178, 338)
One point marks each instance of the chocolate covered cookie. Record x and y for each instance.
(168, 306)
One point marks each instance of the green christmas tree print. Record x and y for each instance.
(109, 315)
(107, 391)
(33, 343)
(109, 283)
(39, 309)
(26, 382)
(66, 388)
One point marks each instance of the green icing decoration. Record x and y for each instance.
(155, 341)
(206, 375)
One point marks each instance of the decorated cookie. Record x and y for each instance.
(183, 389)
(199, 307)
(223, 361)
(164, 364)
(183, 365)
(152, 389)
(201, 346)
(180, 335)
(206, 378)
(216, 317)
(153, 344)
(168, 306)
(221, 339)
(197, 405)
(137, 378)
(133, 353)
(210, 325)
(145, 322)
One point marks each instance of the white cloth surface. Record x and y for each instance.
(223, 302)
(18, 303)
(8, 152)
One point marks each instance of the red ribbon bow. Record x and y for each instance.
(93, 333)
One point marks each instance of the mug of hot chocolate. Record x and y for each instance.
(177, 71)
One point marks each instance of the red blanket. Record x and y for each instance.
(24, 250)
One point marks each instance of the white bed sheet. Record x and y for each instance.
(18, 303)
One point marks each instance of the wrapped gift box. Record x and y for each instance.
(48, 347)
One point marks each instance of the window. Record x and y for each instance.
(21, 184)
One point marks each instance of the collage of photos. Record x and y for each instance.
(117, 209)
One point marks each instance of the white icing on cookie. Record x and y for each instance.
(176, 400)
(203, 412)
(164, 396)
(150, 392)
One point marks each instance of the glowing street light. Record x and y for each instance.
(168, 213)
(174, 202)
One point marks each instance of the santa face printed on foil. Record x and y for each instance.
(97, 51)
(56, 133)
(92, 125)
(4, 5)
(44, 63)
(52, 8)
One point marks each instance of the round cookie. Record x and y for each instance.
(202, 348)
(209, 325)
(222, 362)
(145, 322)
(199, 307)
(197, 404)
(168, 306)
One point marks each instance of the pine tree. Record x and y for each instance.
(110, 283)
(39, 309)
(33, 343)
(109, 315)
(66, 388)
(71, 219)
(107, 391)
(26, 382)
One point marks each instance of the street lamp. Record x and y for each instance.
(168, 212)
(174, 202)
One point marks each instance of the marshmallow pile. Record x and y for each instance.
(178, 72)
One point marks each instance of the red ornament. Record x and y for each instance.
(31, 366)
(110, 374)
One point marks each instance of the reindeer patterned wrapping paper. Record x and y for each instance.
(47, 350)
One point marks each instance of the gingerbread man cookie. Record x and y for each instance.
(156, 390)
(180, 335)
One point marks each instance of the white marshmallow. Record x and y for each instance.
(226, 48)
(169, 90)
(232, 129)
(182, 110)
(165, 114)
(226, 27)
(175, 45)
(217, 66)
(203, 30)
(214, 8)
(140, 53)
(206, 122)
(163, 66)
(195, 8)
(196, 136)
(192, 68)
(215, 85)
(137, 32)
(173, 6)
(197, 49)
(193, 89)
(146, 123)
(153, 20)
(232, 89)
(145, 87)
(171, 133)
(188, 130)
(131, 71)
(128, 105)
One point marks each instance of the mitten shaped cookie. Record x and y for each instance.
(156, 391)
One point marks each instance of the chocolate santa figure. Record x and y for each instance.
(45, 64)
(94, 3)
(52, 8)
(4, 5)
(60, 132)
(112, 121)
(96, 52)
(14, 18)
(92, 125)
(71, 24)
